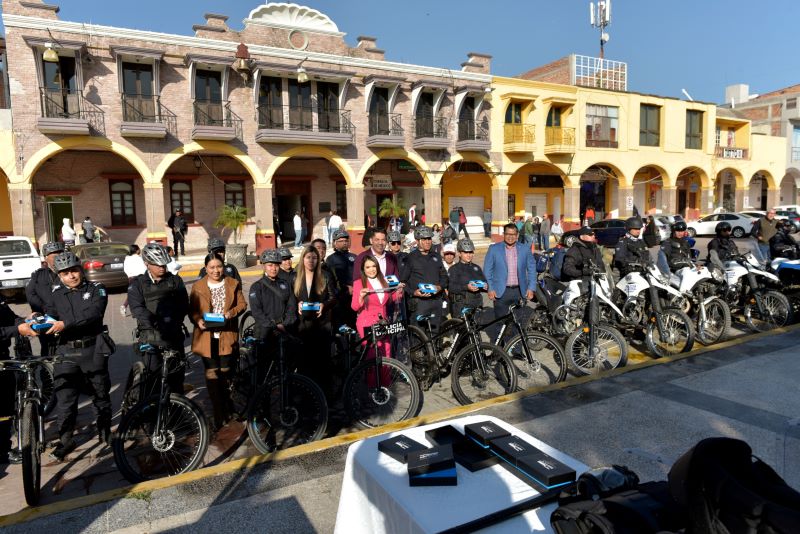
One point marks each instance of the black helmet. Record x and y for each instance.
(215, 244)
(466, 245)
(679, 226)
(271, 256)
(66, 260)
(423, 232)
(51, 247)
(634, 223)
(285, 253)
(155, 254)
(394, 237)
(723, 226)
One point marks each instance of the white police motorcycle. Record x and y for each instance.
(747, 289)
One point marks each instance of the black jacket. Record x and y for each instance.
(423, 269)
(577, 261)
(782, 245)
(459, 295)
(177, 224)
(725, 247)
(81, 309)
(272, 303)
(40, 288)
(629, 251)
(8, 328)
(341, 263)
(678, 253)
(161, 307)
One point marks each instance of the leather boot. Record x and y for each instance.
(217, 397)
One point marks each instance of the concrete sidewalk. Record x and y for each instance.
(643, 417)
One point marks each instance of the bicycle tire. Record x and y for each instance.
(717, 324)
(775, 319)
(419, 348)
(304, 421)
(244, 381)
(609, 352)
(444, 339)
(31, 453)
(679, 330)
(470, 385)
(138, 458)
(549, 364)
(246, 322)
(47, 383)
(131, 397)
(397, 400)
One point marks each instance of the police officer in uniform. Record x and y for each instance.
(424, 267)
(216, 246)
(396, 248)
(272, 301)
(82, 340)
(581, 256)
(676, 248)
(722, 248)
(631, 252)
(286, 271)
(341, 262)
(40, 287)
(782, 245)
(462, 291)
(159, 302)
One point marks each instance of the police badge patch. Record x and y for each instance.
(86, 295)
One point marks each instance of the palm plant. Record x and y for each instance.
(391, 208)
(233, 218)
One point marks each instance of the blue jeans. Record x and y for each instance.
(544, 240)
(764, 249)
(487, 229)
(298, 237)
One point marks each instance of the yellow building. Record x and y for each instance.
(561, 149)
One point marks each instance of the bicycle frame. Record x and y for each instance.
(30, 393)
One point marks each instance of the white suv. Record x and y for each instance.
(18, 260)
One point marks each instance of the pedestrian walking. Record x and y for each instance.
(179, 227)
(764, 230)
(298, 229)
(133, 267)
(88, 230)
(335, 223)
(326, 228)
(487, 222)
(544, 233)
(68, 235)
(557, 229)
(462, 223)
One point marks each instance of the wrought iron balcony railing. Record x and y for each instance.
(141, 108)
(471, 130)
(431, 127)
(216, 113)
(385, 124)
(71, 104)
(302, 119)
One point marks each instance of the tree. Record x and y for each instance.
(233, 218)
(390, 208)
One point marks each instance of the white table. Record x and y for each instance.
(376, 496)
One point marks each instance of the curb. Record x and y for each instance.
(28, 514)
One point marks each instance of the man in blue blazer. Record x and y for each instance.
(510, 270)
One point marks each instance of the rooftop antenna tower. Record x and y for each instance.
(600, 17)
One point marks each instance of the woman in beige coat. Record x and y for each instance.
(216, 293)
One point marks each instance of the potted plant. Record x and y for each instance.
(390, 208)
(234, 218)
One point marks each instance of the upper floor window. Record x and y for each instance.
(234, 194)
(514, 113)
(694, 129)
(554, 117)
(379, 112)
(602, 123)
(123, 205)
(466, 120)
(649, 125)
(270, 102)
(791, 103)
(60, 87)
(208, 86)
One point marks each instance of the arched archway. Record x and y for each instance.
(399, 177)
(690, 183)
(467, 183)
(535, 189)
(790, 187)
(209, 147)
(729, 190)
(762, 191)
(599, 190)
(396, 153)
(648, 189)
(312, 152)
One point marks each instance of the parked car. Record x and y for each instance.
(102, 262)
(607, 232)
(789, 207)
(19, 260)
(740, 224)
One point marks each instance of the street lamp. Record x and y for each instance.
(302, 75)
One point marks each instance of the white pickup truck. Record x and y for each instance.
(18, 260)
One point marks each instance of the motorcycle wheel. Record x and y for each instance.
(777, 310)
(717, 324)
(678, 336)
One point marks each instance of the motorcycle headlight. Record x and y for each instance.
(717, 275)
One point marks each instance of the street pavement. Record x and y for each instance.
(90, 468)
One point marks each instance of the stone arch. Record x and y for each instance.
(789, 186)
(736, 173)
(339, 162)
(702, 174)
(771, 182)
(68, 143)
(211, 146)
(621, 177)
(648, 190)
(397, 153)
(546, 193)
(480, 159)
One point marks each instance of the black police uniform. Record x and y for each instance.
(630, 250)
(228, 269)
(782, 245)
(577, 261)
(38, 292)
(160, 309)
(286, 276)
(678, 253)
(272, 303)
(459, 295)
(402, 258)
(341, 262)
(86, 345)
(725, 247)
(424, 269)
(8, 330)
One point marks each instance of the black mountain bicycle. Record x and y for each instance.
(162, 434)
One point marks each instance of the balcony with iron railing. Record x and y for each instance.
(559, 140)
(473, 136)
(519, 137)
(145, 116)
(214, 120)
(385, 130)
(67, 112)
(731, 152)
(431, 133)
(306, 125)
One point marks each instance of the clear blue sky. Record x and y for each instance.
(699, 45)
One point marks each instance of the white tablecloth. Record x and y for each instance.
(376, 496)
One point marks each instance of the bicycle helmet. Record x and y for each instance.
(634, 223)
(66, 260)
(285, 254)
(423, 232)
(272, 256)
(155, 254)
(215, 244)
(340, 234)
(395, 237)
(723, 226)
(466, 245)
(679, 226)
(53, 246)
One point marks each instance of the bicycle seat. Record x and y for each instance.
(425, 317)
(346, 330)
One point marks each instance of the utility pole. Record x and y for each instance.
(600, 17)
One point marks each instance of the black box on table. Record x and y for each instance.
(432, 467)
(485, 432)
(466, 452)
(530, 464)
(399, 447)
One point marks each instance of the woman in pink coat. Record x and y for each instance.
(371, 296)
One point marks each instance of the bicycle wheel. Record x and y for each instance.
(777, 312)
(678, 334)
(470, 384)
(609, 350)
(303, 419)
(245, 380)
(133, 387)
(716, 324)
(419, 350)
(142, 454)
(447, 332)
(246, 324)
(46, 383)
(549, 364)
(370, 404)
(31, 453)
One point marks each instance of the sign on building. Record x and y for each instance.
(381, 182)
